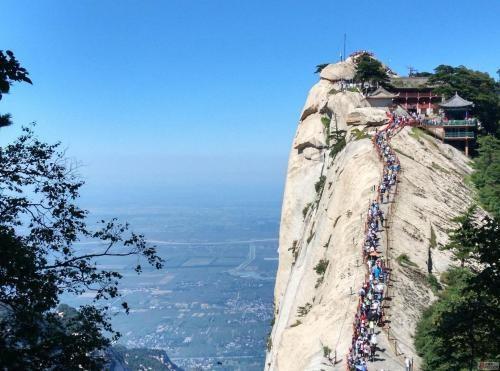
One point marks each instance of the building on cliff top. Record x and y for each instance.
(415, 95)
(456, 124)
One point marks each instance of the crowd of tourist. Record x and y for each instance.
(370, 312)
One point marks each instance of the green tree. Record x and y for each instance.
(463, 239)
(460, 328)
(487, 173)
(457, 330)
(476, 86)
(422, 74)
(10, 71)
(368, 69)
(487, 258)
(40, 222)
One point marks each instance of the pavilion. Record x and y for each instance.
(456, 123)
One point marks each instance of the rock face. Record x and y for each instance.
(312, 310)
(311, 133)
(368, 116)
(338, 71)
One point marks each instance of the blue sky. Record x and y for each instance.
(152, 96)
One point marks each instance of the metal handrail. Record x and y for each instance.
(444, 123)
(459, 134)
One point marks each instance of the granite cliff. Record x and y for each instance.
(333, 170)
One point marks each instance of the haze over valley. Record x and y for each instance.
(211, 306)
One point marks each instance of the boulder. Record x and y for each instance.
(312, 153)
(339, 71)
(368, 116)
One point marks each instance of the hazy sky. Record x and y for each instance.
(156, 95)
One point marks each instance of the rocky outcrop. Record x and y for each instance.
(367, 116)
(306, 164)
(323, 215)
(311, 133)
(339, 71)
(317, 98)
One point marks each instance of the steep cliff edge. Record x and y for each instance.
(323, 216)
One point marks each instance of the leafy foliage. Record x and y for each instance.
(474, 86)
(325, 120)
(433, 239)
(320, 268)
(486, 178)
(303, 310)
(433, 283)
(421, 74)
(404, 260)
(306, 209)
(40, 222)
(339, 142)
(10, 71)
(368, 69)
(463, 239)
(359, 134)
(459, 329)
(320, 184)
(295, 250)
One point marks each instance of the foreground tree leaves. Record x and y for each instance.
(40, 222)
(10, 72)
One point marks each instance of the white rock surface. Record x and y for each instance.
(317, 98)
(367, 116)
(310, 133)
(304, 170)
(431, 192)
(339, 71)
(344, 103)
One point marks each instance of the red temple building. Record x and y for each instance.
(414, 94)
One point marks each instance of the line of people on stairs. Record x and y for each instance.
(370, 312)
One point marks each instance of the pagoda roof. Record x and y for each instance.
(381, 93)
(456, 102)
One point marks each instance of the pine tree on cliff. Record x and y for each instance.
(370, 70)
(459, 329)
